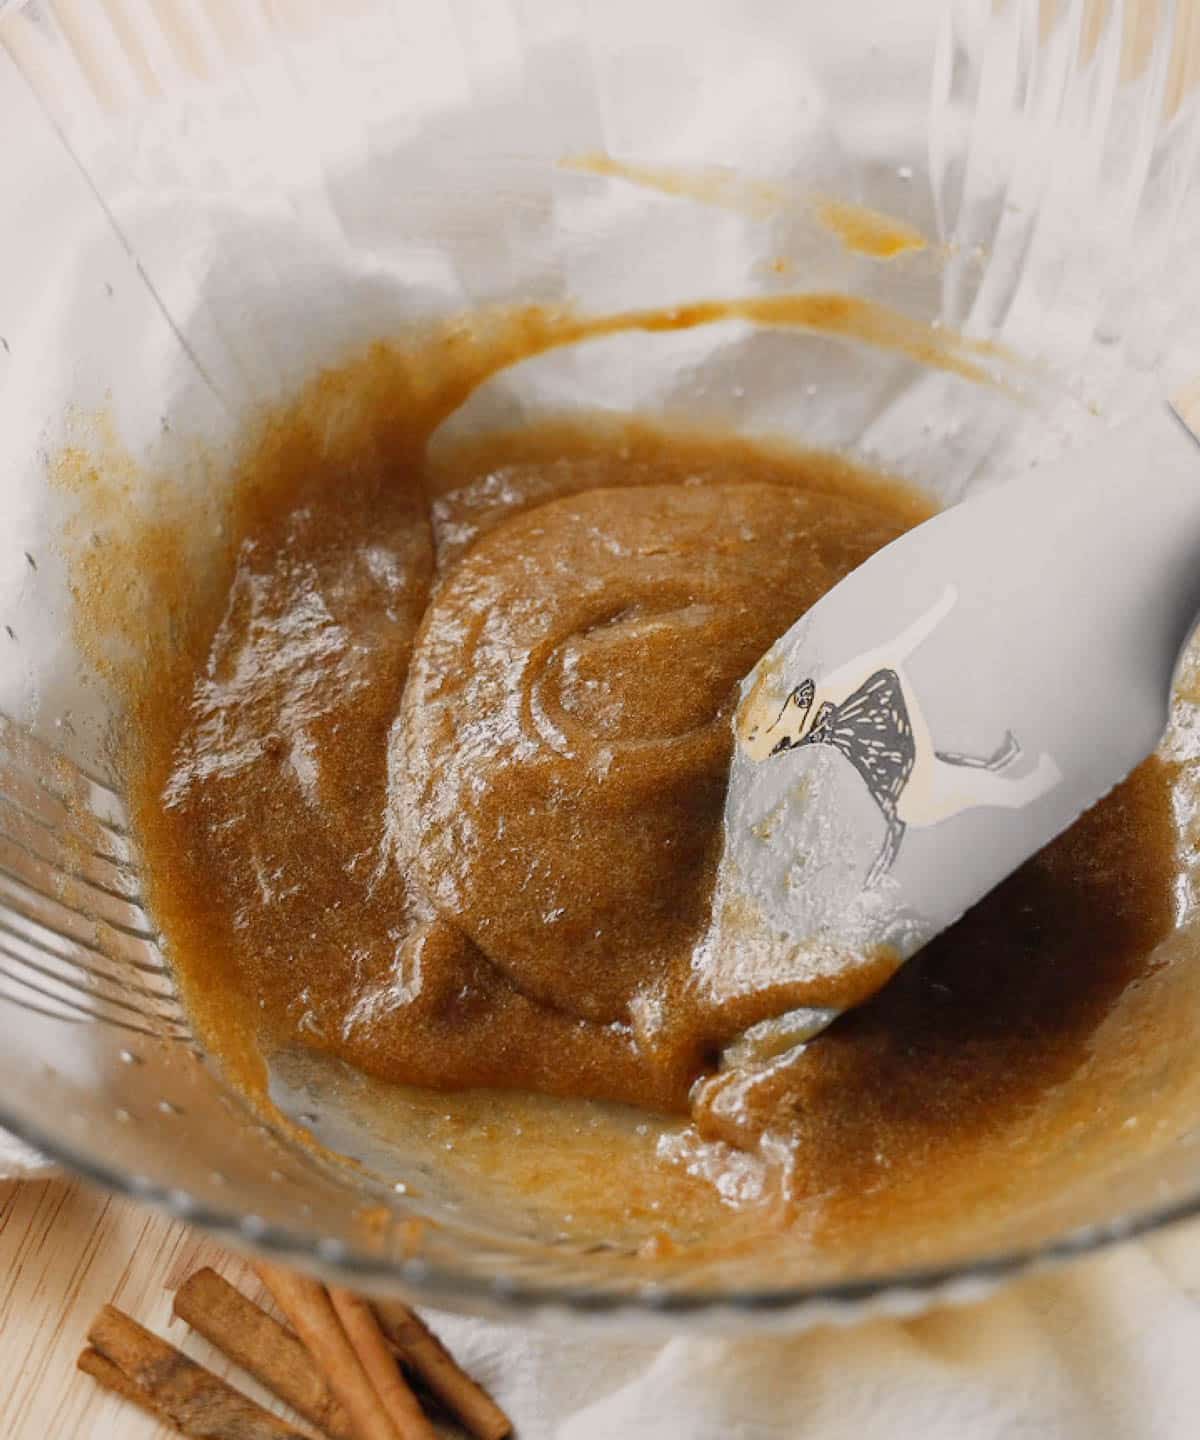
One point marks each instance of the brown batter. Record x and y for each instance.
(436, 786)
(467, 837)
(514, 899)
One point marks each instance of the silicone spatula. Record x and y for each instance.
(947, 709)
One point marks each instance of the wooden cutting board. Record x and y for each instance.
(65, 1250)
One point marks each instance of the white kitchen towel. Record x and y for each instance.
(17, 1160)
(1105, 1349)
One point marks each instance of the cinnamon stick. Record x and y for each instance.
(363, 1332)
(424, 1353)
(262, 1346)
(192, 1398)
(113, 1378)
(311, 1313)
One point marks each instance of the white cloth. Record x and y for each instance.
(18, 1161)
(1103, 1348)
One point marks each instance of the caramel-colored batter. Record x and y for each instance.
(430, 777)
(464, 834)
(467, 836)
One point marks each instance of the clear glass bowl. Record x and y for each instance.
(217, 199)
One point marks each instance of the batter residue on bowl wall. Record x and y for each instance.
(861, 229)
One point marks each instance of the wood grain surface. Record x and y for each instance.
(66, 1250)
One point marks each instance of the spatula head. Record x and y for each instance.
(945, 711)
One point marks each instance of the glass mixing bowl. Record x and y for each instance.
(213, 200)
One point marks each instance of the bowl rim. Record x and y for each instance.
(793, 1306)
